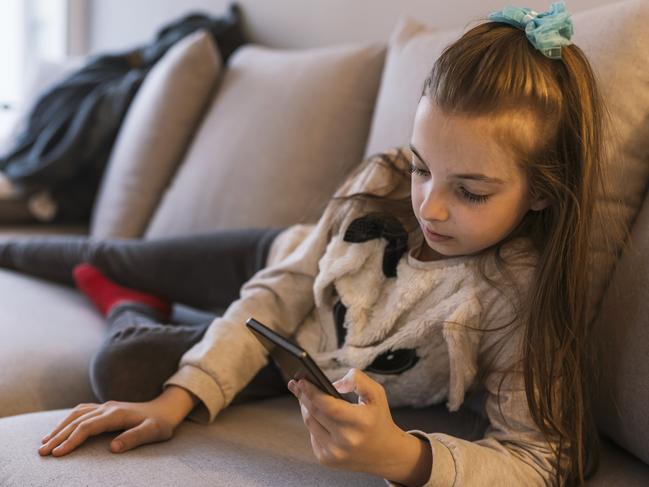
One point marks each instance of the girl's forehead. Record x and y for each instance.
(491, 142)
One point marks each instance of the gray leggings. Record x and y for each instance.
(139, 352)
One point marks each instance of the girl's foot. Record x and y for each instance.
(105, 294)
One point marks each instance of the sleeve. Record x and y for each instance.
(280, 296)
(513, 450)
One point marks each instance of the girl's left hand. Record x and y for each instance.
(346, 435)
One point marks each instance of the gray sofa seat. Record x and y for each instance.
(258, 443)
(48, 334)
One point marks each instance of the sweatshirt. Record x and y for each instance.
(360, 298)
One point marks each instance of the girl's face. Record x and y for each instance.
(468, 193)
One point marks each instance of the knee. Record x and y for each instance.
(124, 368)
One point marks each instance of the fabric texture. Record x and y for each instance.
(285, 125)
(623, 335)
(157, 129)
(418, 345)
(47, 338)
(613, 38)
(256, 443)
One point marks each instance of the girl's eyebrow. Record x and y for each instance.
(474, 176)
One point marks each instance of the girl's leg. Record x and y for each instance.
(203, 271)
(50, 257)
(139, 354)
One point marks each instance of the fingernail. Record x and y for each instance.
(45, 438)
(118, 445)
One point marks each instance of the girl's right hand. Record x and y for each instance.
(144, 422)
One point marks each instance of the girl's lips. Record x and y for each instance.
(435, 237)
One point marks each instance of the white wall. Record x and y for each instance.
(118, 24)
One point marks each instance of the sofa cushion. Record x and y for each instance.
(260, 443)
(48, 334)
(623, 331)
(614, 37)
(154, 136)
(413, 48)
(283, 131)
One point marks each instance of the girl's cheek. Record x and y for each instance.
(417, 197)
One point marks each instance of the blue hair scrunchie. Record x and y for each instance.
(548, 31)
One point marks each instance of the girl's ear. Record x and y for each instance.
(539, 204)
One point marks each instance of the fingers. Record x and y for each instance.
(106, 417)
(368, 390)
(88, 427)
(149, 431)
(78, 411)
(327, 410)
(326, 450)
(62, 434)
(317, 430)
(86, 421)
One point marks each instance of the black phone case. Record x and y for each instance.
(292, 359)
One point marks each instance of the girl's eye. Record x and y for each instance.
(472, 197)
(415, 170)
(467, 195)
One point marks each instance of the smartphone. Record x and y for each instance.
(292, 359)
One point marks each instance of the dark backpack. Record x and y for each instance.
(66, 143)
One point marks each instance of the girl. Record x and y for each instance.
(454, 266)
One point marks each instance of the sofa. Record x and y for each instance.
(264, 141)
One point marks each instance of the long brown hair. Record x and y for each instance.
(494, 70)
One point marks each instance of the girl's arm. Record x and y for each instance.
(228, 356)
(512, 452)
(281, 296)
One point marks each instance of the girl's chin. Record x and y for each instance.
(428, 252)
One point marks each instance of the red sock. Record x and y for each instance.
(105, 294)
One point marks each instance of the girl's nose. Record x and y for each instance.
(434, 207)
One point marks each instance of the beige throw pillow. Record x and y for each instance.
(282, 133)
(154, 136)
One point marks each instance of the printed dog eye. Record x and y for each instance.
(394, 362)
